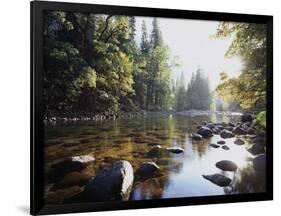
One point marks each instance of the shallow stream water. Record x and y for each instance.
(181, 174)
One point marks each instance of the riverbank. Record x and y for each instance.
(73, 117)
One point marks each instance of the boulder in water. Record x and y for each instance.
(112, 183)
(256, 149)
(221, 142)
(214, 145)
(226, 134)
(176, 150)
(218, 179)
(71, 164)
(225, 147)
(238, 131)
(196, 136)
(239, 141)
(147, 168)
(205, 132)
(226, 165)
(246, 118)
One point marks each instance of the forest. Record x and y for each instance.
(94, 64)
(171, 130)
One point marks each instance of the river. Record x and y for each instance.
(181, 174)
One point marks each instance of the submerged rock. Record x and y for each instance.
(196, 136)
(71, 179)
(71, 164)
(221, 142)
(111, 183)
(157, 151)
(256, 149)
(210, 125)
(239, 141)
(214, 145)
(251, 131)
(147, 168)
(60, 196)
(225, 147)
(238, 131)
(176, 150)
(226, 165)
(218, 179)
(228, 128)
(205, 132)
(226, 134)
(246, 118)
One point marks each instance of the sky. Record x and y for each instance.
(190, 41)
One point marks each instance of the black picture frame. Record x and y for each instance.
(37, 205)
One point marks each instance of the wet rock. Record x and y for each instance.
(71, 164)
(221, 142)
(226, 134)
(71, 179)
(196, 136)
(157, 151)
(216, 130)
(176, 150)
(259, 163)
(214, 145)
(147, 169)
(250, 130)
(218, 179)
(256, 149)
(239, 141)
(261, 134)
(238, 131)
(259, 140)
(224, 124)
(251, 136)
(225, 147)
(228, 128)
(226, 165)
(61, 195)
(210, 125)
(230, 124)
(111, 183)
(246, 125)
(246, 118)
(220, 127)
(205, 132)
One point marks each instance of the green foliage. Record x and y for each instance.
(198, 92)
(249, 43)
(260, 119)
(92, 63)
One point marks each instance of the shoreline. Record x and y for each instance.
(109, 116)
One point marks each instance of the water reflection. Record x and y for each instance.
(181, 174)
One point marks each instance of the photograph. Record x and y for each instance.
(152, 108)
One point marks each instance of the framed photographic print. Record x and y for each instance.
(140, 107)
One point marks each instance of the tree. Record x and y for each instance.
(145, 46)
(158, 77)
(198, 94)
(249, 43)
(180, 94)
(93, 64)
